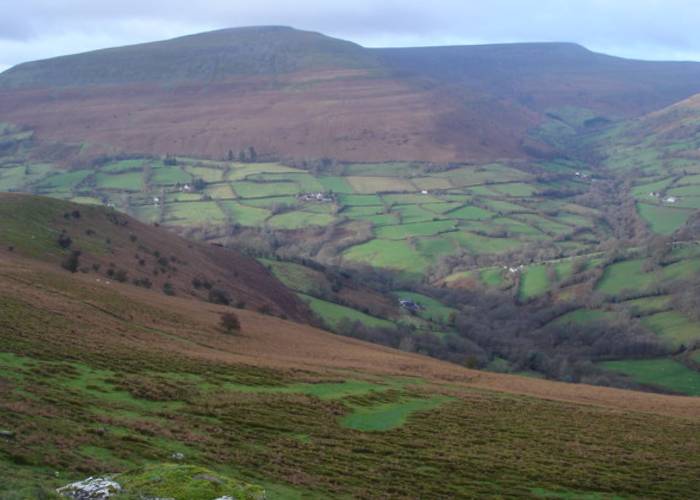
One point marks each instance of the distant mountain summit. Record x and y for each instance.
(211, 56)
(303, 95)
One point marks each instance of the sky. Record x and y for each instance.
(643, 29)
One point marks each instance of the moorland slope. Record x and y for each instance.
(102, 377)
(295, 94)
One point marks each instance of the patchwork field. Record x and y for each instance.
(415, 213)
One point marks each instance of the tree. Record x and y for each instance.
(230, 155)
(229, 323)
(252, 154)
(241, 156)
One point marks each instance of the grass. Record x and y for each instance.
(335, 184)
(470, 213)
(648, 305)
(393, 254)
(191, 213)
(64, 181)
(185, 482)
(121, 166)
(533, 282)
(334, 314)
(361, 200)
(517, 190)
(207, 174)
(265, 189)
(299, 220)
(295, 276)
(402, 231)
(387, 416)
(243, 214)
(626, 275)
(661, 219)
(131, 181)
(673, 327)
(665, 373)
(492, 276)
(584, 317)
(371, 185)
(169, 176)
(432, 309)
(479, 244)
(413, 213)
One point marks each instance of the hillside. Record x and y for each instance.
(301, 95)
(102, 378)
(207, 57)
(108, 247)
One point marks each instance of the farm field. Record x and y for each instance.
(333, 314)
(414, 214)
(673, 327)
(431, 309)
(666, 373)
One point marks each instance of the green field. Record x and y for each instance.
(132, 181)
(168, 176)
(333, 314)
(392, 254)
(665, 373)
(432, 309)
(387, 416)
(204, 212)
(295, 276)
(626, 275)
(403, 231)
(584, 317)
(299, 219)
(265, 189)
(243, 214)
(673, 327)
(663, 220)
(533, 282)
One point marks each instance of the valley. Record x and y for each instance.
(270, 263)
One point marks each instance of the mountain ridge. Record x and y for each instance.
(302, 95)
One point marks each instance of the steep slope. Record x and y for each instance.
(101, 378)
(297, 94)
(108, 247)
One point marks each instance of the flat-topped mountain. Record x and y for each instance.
(298, 94)
(205, 57)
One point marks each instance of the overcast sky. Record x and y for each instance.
(646, 29)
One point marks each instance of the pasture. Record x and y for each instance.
(664, 373)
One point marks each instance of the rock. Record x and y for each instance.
(208, 477)
(92, 488)
(178, 457)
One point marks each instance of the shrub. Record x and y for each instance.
(72, 261)
(168, 289)
(229, 323)
(120, 275)
(64, 241)
(219, 296)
